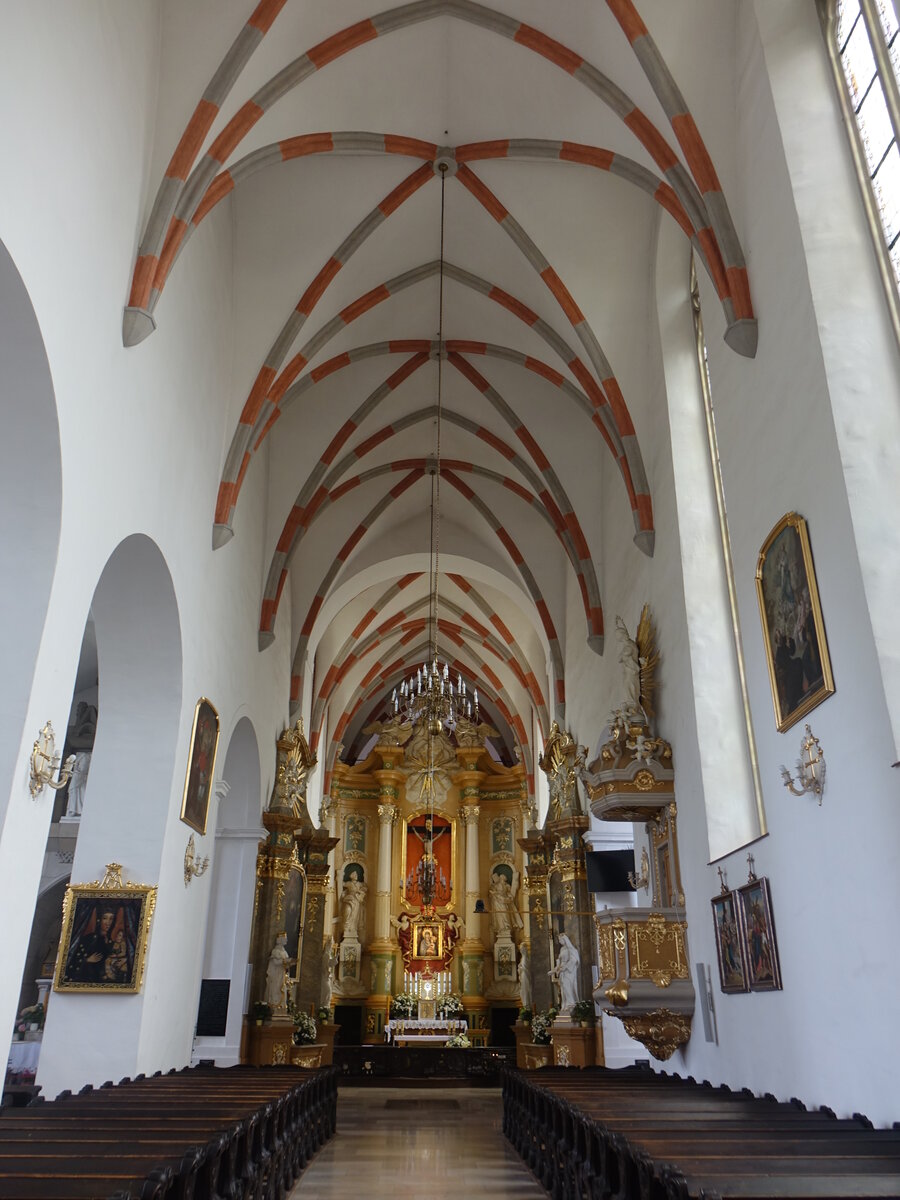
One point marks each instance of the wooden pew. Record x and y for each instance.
(235, 1134)
(616, 1135)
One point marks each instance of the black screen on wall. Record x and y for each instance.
(607, 870)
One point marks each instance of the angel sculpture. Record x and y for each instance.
(470, 734)
(639, 657)
(392, 733)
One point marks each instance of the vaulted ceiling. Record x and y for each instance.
(310, 137)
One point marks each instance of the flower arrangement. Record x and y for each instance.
(404, 1004)
(583, 1010)
(33, 1015)
(459, 1041)
(450, 1006)
(541, 1024)
(304, 1029)
(261, 1011)
(323, 1016)
(525, 1015)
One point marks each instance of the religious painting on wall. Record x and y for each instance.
(428, 940)
(729, 949)
(758, 943)
(201, 766)
(428, 838)
(105, 928)
(793, 629)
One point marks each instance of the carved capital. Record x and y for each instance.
(470, 814)
(387, 814)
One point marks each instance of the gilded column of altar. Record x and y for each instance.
(315, 845)
(539, 919)
(568, 871)
(275, 859)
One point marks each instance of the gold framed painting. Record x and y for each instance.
(793, 629)
(201, 766)
(105, 929)
(428, 940)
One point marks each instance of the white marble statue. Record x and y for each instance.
(565, 973)
(329, 964)
(353, 907)
(629, 657)
(75, 798)
(525, 977)
(505, 917)
(277, 973)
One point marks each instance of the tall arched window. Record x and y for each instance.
(864, 46)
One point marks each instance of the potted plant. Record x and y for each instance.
(323, 1016)
(583, 1012)
(541, 1024)
(261, 1012)
(525, 1016)
(459, 1041)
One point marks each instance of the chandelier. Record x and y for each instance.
(430, 696)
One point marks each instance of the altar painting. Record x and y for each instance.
(426, 834)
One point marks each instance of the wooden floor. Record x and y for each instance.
(418, 1144)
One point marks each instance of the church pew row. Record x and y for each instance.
(242, 1133)
(630, 1134)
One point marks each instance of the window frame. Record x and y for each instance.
(827, 10)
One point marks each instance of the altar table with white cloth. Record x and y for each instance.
(408, 1031)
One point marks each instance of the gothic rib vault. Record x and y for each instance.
(568, 134)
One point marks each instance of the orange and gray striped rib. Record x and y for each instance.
(354, 650)
(138, 320)
(297, 525)
(270, 602)
(741, 334)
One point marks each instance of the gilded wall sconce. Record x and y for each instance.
(44, 762)
(810, 769)
(194, 866)
(642, 880)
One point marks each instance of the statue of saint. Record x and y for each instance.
(353, 907)
(505, 916)
(630, 660)
(277, 974)
(329, 964)
(525, 977)
(565, 973)
(75, 797)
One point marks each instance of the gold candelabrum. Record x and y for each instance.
(810, 778)
(44, 763)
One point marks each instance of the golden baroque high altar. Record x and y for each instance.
(387, 814)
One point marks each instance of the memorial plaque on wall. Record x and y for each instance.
(212, 1013)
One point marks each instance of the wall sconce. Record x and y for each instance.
(810, 770)
(194, 866)
(44, 762)
(642, 880)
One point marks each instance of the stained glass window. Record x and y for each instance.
(870, 107)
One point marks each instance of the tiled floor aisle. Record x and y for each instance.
(418, 1144)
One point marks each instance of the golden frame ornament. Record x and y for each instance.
(428, 941)
(105, 931)
(800, 675)
(201, 766)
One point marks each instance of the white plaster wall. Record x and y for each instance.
(142, 434)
